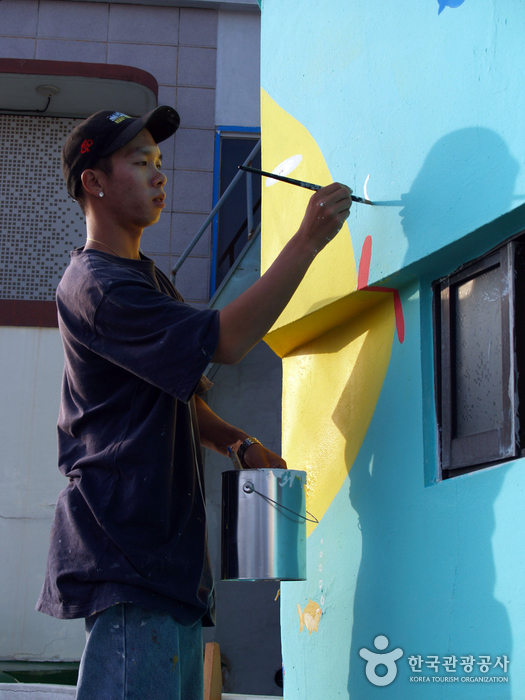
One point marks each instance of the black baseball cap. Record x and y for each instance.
(104, 133)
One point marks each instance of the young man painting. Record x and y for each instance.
(128, 545)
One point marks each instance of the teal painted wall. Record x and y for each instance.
(429, 105)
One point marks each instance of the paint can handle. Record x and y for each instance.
(248, 487)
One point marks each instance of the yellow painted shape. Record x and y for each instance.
(336, 341)
(330, 390)
(332, 275)
(310, 616)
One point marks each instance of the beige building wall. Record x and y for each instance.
(39, 225)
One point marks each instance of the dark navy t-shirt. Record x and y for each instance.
(130, 526)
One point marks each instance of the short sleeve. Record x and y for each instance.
(160, 339)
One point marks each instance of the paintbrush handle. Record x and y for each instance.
(292, 181)
(361, 200)
(289, 180)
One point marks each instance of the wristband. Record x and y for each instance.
(244, 446)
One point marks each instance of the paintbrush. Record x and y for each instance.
(299, 183)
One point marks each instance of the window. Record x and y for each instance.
(479, 357)
(231, 233)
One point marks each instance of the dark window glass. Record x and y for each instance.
(479, 360)
(232, 233)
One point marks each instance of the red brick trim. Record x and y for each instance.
(19, 312)
(79, 70)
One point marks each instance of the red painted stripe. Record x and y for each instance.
(362, 285)
(364, 263)
(37, 314)
(398, 309)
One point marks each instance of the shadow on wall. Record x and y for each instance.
(467, 180)
(427, 576)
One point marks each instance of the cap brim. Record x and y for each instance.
(162, 123)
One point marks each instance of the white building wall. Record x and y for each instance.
(31, 361)
(206, 62)
(238, 69)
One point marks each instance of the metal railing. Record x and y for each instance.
(229, 251)
(217, 207)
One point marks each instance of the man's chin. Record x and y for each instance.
(153, 220)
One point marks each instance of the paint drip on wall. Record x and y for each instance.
(450, 3)
(310, 616)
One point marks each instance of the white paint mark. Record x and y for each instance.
(364, 187)
(284, 168)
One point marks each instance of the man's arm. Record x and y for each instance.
(218, 435)
(248, 318)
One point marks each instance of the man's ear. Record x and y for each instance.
(91, 182)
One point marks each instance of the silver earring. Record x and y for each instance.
(101, 194)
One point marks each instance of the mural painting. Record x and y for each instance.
(419, 106)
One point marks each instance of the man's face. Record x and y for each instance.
(133, 193)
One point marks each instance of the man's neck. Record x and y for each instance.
(108, 240)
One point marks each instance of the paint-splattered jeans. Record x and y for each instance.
(135, 654)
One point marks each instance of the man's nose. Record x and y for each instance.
(160, 178)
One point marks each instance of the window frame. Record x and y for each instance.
(459, 455)
(224, 132)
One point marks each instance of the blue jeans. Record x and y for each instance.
(135, 654)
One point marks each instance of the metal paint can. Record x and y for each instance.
(263, 525)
